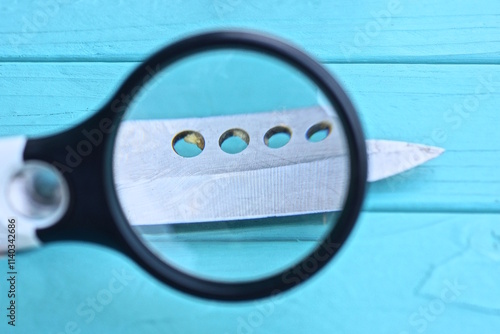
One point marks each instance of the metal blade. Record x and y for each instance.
(157, 186)
(387, 158)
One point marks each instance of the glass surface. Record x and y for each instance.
(231, 165)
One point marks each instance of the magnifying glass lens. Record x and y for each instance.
(231, 165)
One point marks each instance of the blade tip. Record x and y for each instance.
(434, 151)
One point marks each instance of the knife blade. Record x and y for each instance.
(157, 186)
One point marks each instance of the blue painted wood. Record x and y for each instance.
(408, 270)
(335, 31)
(388, 279)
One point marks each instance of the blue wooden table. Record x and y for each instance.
(425, 255)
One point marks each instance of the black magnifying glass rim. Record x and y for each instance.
(271, 46)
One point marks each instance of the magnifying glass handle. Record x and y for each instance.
(16, 232)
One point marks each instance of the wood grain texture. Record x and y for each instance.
(391, 273)
(419, 74)
(451, 106)
(335, 31)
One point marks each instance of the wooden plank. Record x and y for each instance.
(407, 31)
(414, 103)
(390, 278)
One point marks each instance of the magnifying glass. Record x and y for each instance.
(229, 165)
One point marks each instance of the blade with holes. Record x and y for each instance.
(157, 186)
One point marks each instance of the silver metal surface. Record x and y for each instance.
(387, 158)
(157, 186)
